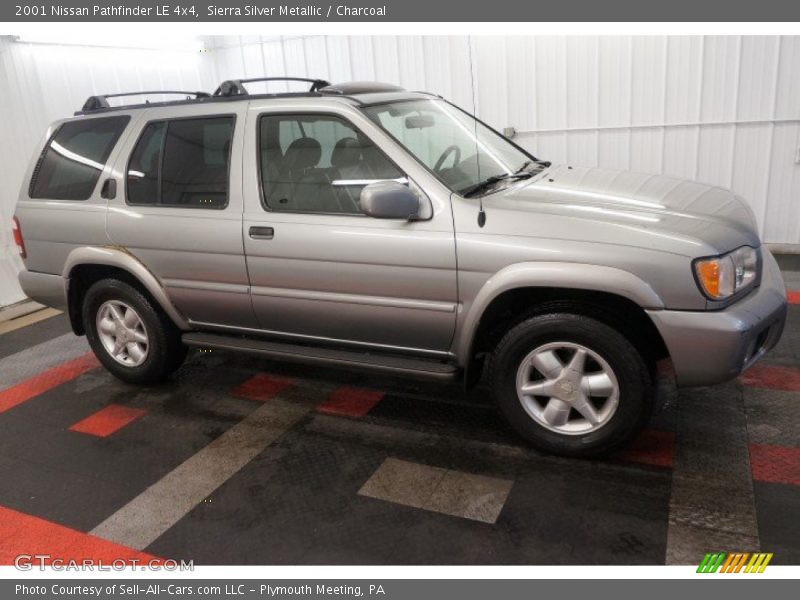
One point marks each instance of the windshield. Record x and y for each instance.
(463, 153)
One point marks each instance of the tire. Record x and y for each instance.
(147, 358)
(620, 390)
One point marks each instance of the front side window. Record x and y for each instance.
(461, 151)
(74, 158)
(317, 163)
(182, 163)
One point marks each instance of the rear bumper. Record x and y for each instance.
(715, 346)
(44, 288)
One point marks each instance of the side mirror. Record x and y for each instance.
(389, 200)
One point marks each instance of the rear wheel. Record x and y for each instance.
(130, 336)
(571, 385)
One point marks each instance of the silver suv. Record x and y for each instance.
(364, 226)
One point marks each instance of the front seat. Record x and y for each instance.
(301, 157)
(347, 164)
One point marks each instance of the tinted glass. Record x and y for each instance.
(317, 163)
(182, 163)
(144, 165)
(75, 157)
(195, 166)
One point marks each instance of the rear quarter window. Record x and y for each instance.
(74, 158)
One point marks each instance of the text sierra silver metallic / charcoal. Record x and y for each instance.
(362, 226)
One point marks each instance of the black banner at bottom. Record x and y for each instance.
(393, 589)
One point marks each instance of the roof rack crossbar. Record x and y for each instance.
(235, 87)
(101, 101)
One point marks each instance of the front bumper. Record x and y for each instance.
(712, 347)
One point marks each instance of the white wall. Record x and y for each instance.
(725, 110)
(40, 83)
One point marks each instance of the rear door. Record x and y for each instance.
(180, 209)
(321, 270)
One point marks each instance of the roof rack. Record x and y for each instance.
(235, 87)
(100, 102)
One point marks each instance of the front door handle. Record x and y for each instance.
(262, 233)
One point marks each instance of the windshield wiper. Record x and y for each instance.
(490, 181)
(542, 164)
(524, 166)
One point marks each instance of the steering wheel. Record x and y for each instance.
(443, 157)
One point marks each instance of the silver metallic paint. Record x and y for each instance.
(201, 249)
(422, 286)
(390, 276)
(117, 257)
(710, 347)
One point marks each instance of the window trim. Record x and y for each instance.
(38, 166)
(168, 120)
(307, 113)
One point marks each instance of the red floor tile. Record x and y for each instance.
(350, 401)
(793, 296)
(775, 464)
(776, 378)
(262, 387)
(29, 535)
(47, 380)
(108, 420)
(652, 447)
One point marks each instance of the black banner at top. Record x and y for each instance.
(264, 11)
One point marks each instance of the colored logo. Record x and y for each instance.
(735, 562)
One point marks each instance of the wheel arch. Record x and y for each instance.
(84, 266)
(611, 295)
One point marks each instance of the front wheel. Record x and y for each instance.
(131, 337)
(571, 385)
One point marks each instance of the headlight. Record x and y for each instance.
(723, 276)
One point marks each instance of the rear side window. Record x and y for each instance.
(182, 163)
(74, 158)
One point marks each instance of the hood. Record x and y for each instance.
(634, 208)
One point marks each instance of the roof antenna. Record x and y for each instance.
(481, 212)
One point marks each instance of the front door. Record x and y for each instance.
(322, 271)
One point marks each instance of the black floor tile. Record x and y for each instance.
(21, 339)
(778, 511)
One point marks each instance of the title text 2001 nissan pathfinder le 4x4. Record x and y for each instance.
(369, 227)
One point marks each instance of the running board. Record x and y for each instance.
(328, 357)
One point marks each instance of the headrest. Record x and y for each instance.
(346, 153)
(302, 153)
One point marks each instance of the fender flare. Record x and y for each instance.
(121, 259)
(577, 276)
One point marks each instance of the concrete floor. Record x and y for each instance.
(243, 461)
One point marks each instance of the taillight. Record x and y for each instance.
(15, 227)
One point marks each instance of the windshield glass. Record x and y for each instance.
(462, 152)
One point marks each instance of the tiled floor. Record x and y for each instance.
(243, 461)
(445, 491)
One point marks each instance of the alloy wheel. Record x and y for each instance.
(567, 388)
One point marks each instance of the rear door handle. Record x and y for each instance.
(261, 233)
(109, 189)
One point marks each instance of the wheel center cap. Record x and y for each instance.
(566, 389)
